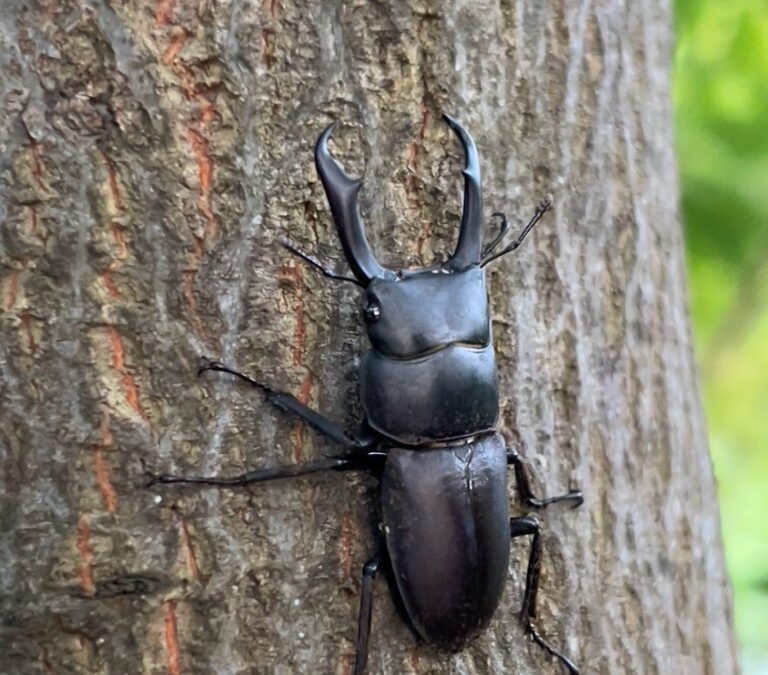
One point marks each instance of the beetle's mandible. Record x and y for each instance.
(430, 396)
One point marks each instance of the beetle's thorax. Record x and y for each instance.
(430, 375)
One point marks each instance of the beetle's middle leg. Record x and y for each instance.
(520, 527)
(344, 463)
(524, 491)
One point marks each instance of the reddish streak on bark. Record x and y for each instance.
(33, 220)
(415, 148)
(86, 556)
(177, 41)
(305, 391)
(272, 7)
(109, 284)
(132, 393)
(26, 324)
(130, 389)
(115, 201)
(194, 570)
(117, 235)
(267, 48)
(163, 12)
(117, 348)
(115, 205)
(188, 277)
(37, 164)
(190, 89)
(299, 333)
(300, 330)
(172, 639)
(414, 659)
(346, 664)
(345, 545)
(101, 469)
(201, 149)
(45, 664)
(207, 114)
(100, 465)
(13, 289)
(294, 274)
(199, 249)
(112, 184)
(414, 158)
(200, 145)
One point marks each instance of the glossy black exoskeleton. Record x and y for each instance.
(430, 396)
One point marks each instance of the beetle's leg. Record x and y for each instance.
(314, 262)
(344, 463)
(370, 570)
(524, 486)
(519, 527)
(289, 403)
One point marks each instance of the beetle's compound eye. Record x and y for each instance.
(372, 311)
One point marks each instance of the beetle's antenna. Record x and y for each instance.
(470, 235)
(503, 229)
(314, 262)
(342, 194)
(541, 209)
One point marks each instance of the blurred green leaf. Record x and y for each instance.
(721, 114)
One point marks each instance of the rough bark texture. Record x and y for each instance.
(150, 155)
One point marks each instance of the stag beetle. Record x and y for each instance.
(430, 396)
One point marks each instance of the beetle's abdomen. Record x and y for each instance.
(446, 522)
(449, 394)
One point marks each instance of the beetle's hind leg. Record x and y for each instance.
(525, 493)
(520, 527)
(370, 570)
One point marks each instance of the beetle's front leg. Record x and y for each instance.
(289, 403)
(524, 491)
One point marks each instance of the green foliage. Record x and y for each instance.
(721, 109)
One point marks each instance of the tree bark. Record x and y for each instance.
(151, 155)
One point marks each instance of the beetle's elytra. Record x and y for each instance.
(430, 397)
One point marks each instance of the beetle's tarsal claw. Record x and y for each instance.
(207, 364)
(576, 496)
(202, 365)
(531, 629)
(152, 479)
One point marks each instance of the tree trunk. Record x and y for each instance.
(151, 155)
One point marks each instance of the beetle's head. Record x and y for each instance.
(423, 312)
(410, 313)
